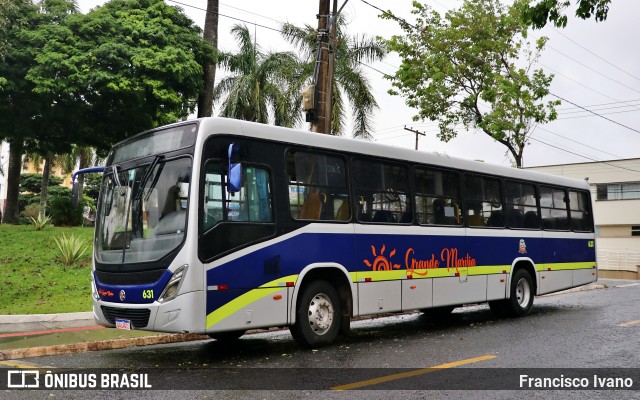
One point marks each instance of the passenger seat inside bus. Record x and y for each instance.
(312, 207)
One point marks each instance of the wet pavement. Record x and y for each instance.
(31, 336)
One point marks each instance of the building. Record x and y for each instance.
(615, 189)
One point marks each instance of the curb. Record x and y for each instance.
(27, 318)
(112, 344)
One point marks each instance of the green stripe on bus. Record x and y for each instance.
(566, 266)
(250, 297)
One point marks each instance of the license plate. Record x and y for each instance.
(123, 324)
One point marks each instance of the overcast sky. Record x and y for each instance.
(596, 65)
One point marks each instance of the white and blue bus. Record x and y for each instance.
(218, 226)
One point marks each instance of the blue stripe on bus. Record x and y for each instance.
(353, 251)
(134, 294)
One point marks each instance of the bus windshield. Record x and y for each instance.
(143, 210)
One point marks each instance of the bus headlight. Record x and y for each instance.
(173, 287)
(94, 290)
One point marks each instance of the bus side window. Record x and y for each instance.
(317, 186)
(382, 190)
(437, 197)
(521, 205)
(553, 205)
(483, 201)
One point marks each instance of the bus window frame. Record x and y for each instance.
(414, 194)
(346, 158)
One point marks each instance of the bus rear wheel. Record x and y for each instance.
(318, 316)
(521, 296)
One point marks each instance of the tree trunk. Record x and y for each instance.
(44, 187)
(205, 102)
(84, 163)
(11, 213)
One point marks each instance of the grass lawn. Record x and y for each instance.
(32, 278)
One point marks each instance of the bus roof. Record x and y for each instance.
(215, 125)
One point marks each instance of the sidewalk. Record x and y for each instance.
(24, 336)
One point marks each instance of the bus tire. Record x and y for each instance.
(227, 336)
(318, 316)
(521, 295)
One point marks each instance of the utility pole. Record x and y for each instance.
(331, 68)
(320, 123)
(418, 133)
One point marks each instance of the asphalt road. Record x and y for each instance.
(576, 334)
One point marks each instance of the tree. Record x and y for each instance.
(21, 109)
(127, 66)
(350, 81)
(205, 101)
(539, 13)
(259, 83)
(473, 68)
(32, 183)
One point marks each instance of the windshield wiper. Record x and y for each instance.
(116, 178)
(147, 175)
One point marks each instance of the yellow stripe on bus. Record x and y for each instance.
(565, 266)
(250, 297)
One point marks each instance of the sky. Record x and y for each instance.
(596, 66)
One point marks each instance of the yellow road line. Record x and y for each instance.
(22, 365)
(410, 374)
(630, 323)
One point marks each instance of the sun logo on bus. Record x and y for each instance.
(381, 262)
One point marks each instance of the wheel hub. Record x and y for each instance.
(320, 313)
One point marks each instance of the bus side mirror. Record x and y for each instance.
(75, 194)
(234, 178)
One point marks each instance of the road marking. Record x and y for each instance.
(81, 328)
(20, 365)
(628, 285)
(631, 323)
(410, 374)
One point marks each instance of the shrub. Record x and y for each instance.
(72, 249)
(41, 222)
(62, 212)
(31, 211)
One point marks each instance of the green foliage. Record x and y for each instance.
(32, 182)
(541, 11)
(473, 68)
(350, 80)
(258, 83)
(63, 213)
(40, 222)
(71, 249)
(92, 186)
(127, 66)
(34, 280)
(31, 210)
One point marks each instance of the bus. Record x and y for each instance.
(218, 226)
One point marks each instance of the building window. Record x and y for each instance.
(635, 230)
(618, 191)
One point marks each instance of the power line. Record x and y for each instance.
(227, 16)
(595, 113)
(593, 70)
(583, 156)
(596, 55)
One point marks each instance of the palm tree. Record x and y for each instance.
(259, 83)
(351, 52)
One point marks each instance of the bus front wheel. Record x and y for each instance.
(318, 315)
